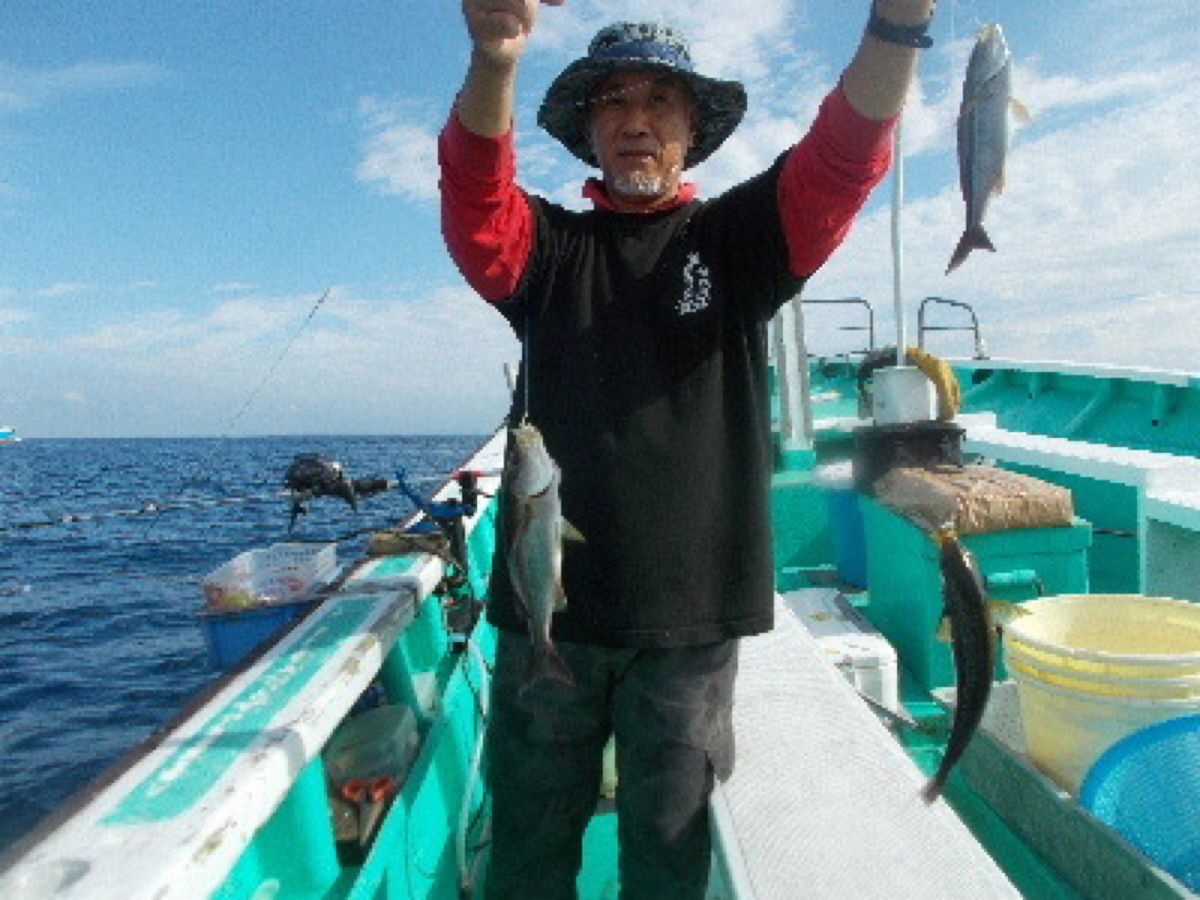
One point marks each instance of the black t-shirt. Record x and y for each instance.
(647, 367)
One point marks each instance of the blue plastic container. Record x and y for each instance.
(1146, 787)
(845, 522)
(232, 635)
(849, 542)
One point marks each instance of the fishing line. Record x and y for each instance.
(225, 432)
(975, 20)
(148, 508)
(525, 365)
(275, 365)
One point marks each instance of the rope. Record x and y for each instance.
(147, 509)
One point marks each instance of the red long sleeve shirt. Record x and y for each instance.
(826, 178)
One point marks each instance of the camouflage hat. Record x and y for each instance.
(639, 45)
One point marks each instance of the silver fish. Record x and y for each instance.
(983, 133)
(534, 531)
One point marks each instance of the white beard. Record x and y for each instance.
(637, 184)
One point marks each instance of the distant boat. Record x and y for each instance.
(8, 435)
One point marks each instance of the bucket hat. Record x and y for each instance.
(720, 105)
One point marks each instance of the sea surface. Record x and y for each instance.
(100, 643)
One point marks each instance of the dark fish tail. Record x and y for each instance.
(974, 238)
(974, 654)
(545, 662)
(936, 785)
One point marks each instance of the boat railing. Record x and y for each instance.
(923, 327)
(233, 799)
(1167, 501)
(869, 328)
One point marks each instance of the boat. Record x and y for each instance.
(8, 435)
(236, 798)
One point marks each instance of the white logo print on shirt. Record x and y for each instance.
(697, 286)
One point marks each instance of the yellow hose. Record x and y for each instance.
(945, 382)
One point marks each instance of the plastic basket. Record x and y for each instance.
(1147, 787)
(281, 573)
(232, 635)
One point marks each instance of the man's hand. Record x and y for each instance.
(500, 28)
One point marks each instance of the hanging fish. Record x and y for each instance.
(535, 532)
(974, 640)
(983, 134)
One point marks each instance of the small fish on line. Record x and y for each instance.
(983, 135)
(534, 531)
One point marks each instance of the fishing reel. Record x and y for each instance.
(461, 609)
(311, 476)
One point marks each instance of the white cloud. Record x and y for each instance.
(12, 344)
(1110, 331)
(429, 362)
(1051, 91)
(230, 327)
(23, 88)
(725, 45)
(62, 289)
(399, 153)
(233, 287)
(78, 398)
(10, 317)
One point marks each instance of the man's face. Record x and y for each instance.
(641, 127)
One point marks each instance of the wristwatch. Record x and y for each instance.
(914, 36)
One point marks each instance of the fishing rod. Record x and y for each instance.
(312, 476)
(898, 239)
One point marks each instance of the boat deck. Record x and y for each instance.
(824, 802)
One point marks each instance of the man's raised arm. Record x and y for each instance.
(877, 80)
(486, 220)
(499, 30)
(831, 172)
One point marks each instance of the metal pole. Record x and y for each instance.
(804, 427)
(783, 377)
(898, 244)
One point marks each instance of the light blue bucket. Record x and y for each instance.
(1147, 787)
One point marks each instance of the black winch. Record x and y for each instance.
(879, 448)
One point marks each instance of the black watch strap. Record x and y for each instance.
(914, 36)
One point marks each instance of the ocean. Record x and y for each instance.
(100, 643)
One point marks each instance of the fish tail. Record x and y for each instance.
(974, 238)
(546, 662)
(936, 785)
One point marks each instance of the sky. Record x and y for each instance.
(181, 183)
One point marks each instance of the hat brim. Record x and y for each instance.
(720, 106)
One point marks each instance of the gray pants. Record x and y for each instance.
(671, 713)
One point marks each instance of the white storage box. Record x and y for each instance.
(849, 641)
(281, 573)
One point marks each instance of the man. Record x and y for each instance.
(643, 325)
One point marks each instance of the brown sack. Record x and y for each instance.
(974, 499)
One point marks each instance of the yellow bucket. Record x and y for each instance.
(1092, 668)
